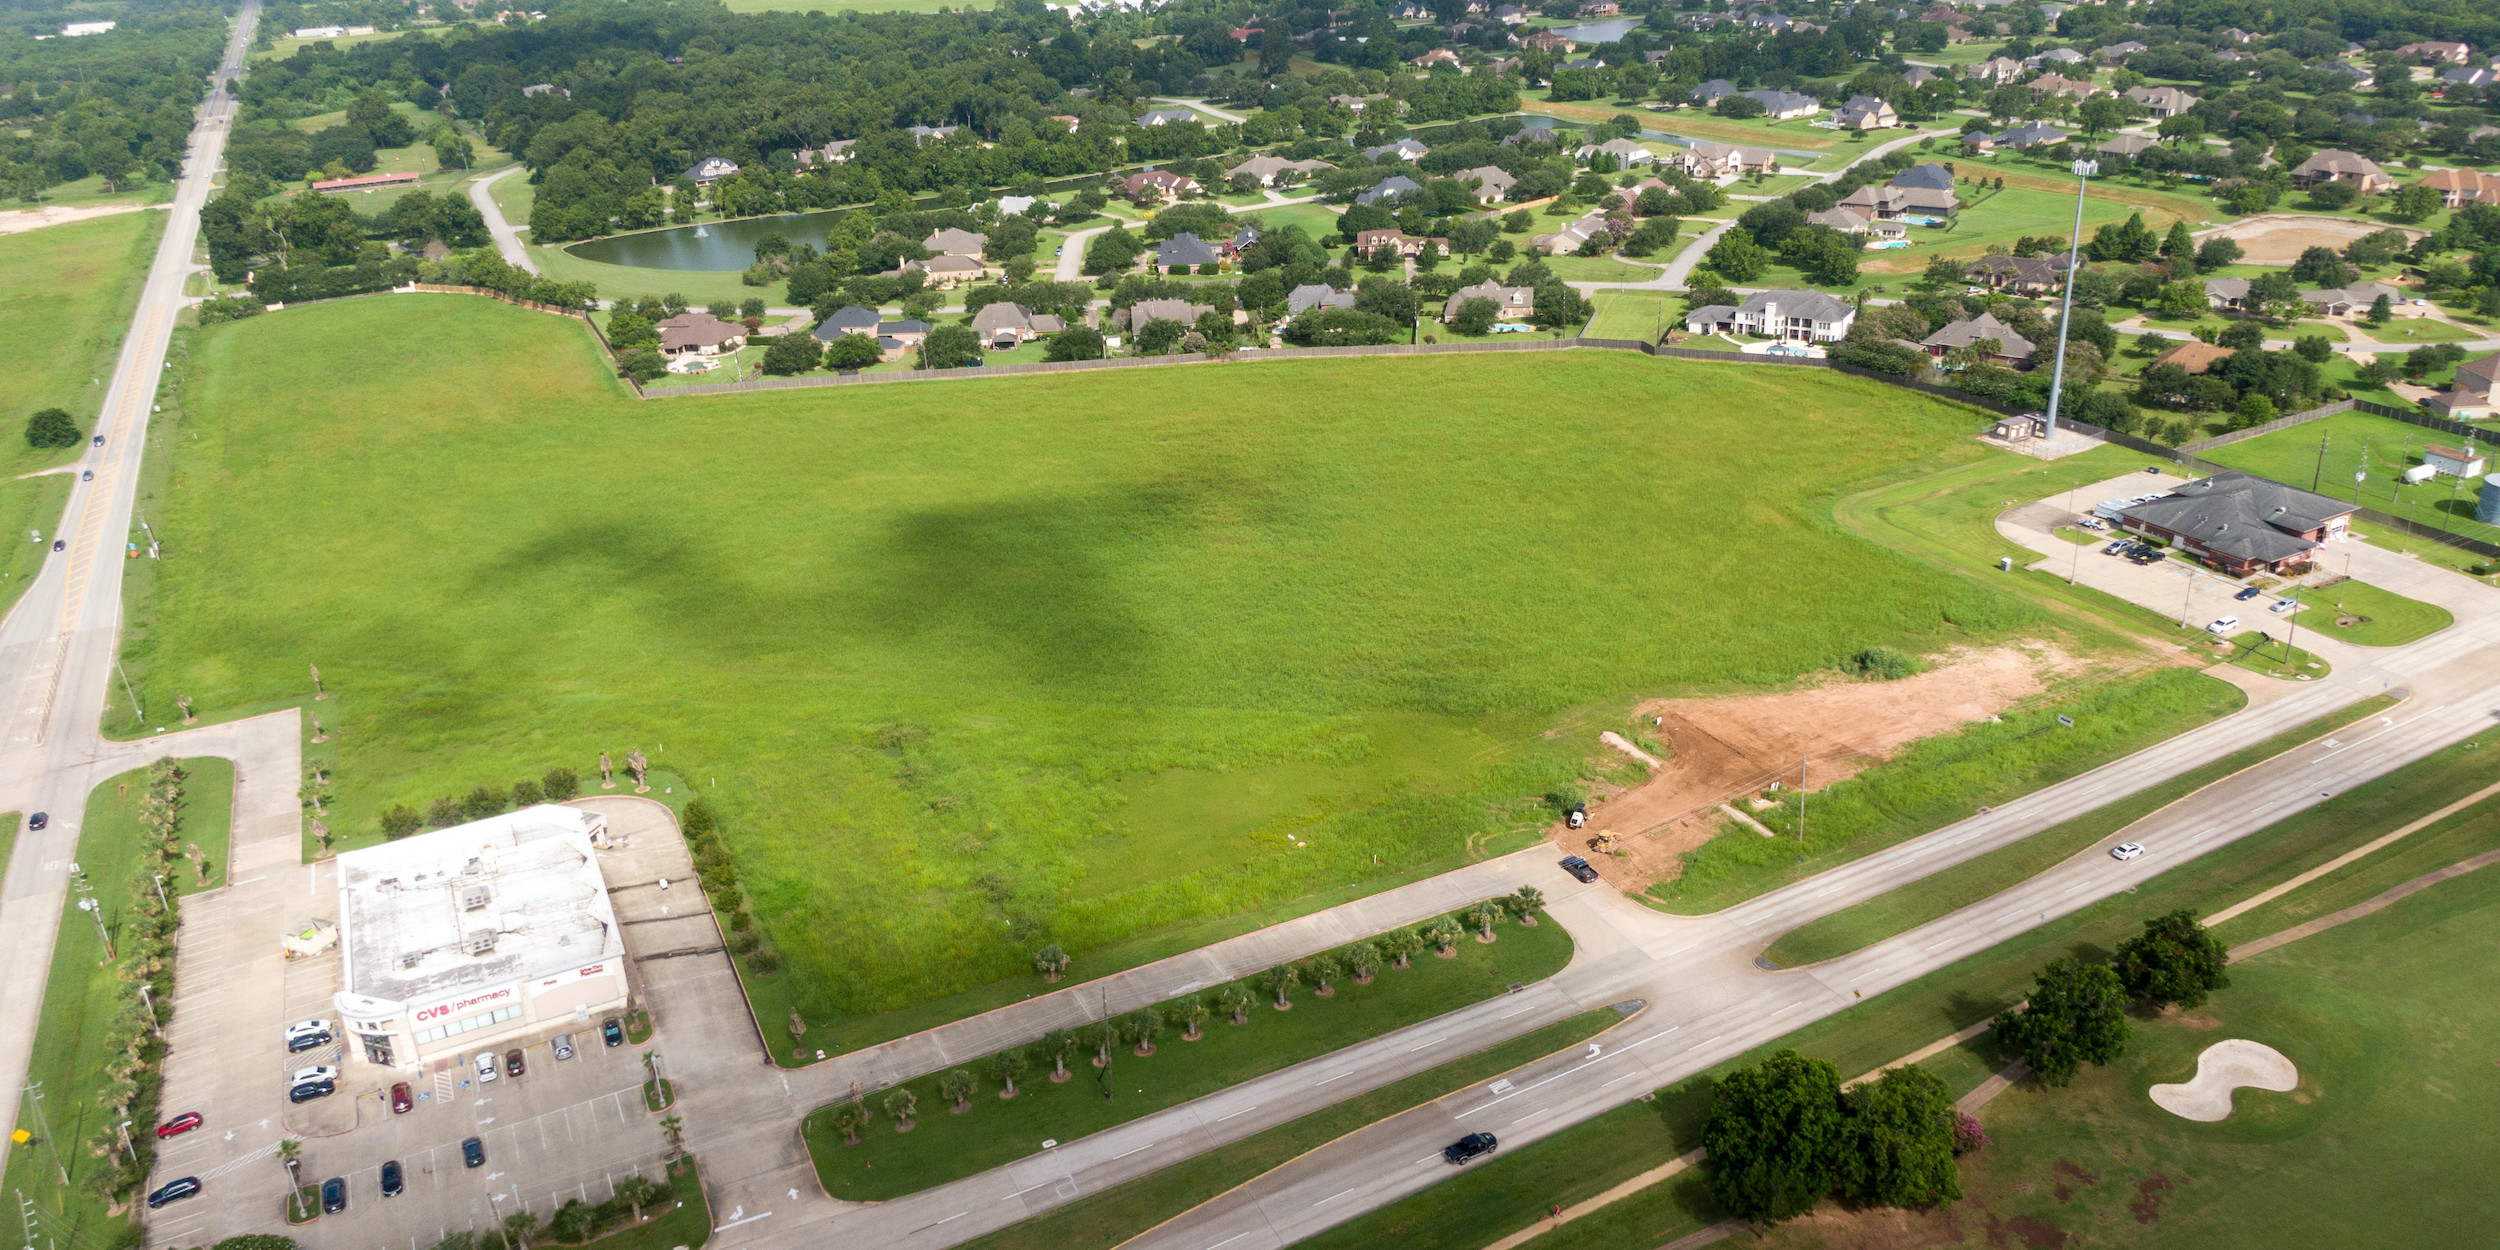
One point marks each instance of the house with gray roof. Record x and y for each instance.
(2027, 135)
(711, 169)
(1166, 117)
(1403, 149)
(1782, 105)
(1794, 315)
(1003, 327)
(1313, 295)
(1391, 189)
(1931, 175)
(1710, 92)
(1626, 153)
(1517, 303)
(2127, 145)
(1492, 181)
(2012, 348)
(2162, 101)
(1266, 168)
(1136, 315)
(848, 319)
(1185, 250)
(2242, 524)
(953, 242)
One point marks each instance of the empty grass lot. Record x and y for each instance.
(972, 667)
(2379, 447)
(1512, 1190)
(1644, 315)
(2388, 619)
(83, 993)
(945, 1146)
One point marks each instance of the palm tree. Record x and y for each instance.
(900, 1105)
(956, 1087)
(1190, 1013)
(1443, 935)
(1400, 946)
(1050, 961)
(635, 1191)
(1486, 915)
(291, 1157)
(1105, 1034)
(1363, 958)
(1280, 980)
(1004, 1068)
(850, 1119)
(1055, 1046)
(1237, 1001)
(1325, 969)
(674, 1128)
(1526, 902)
(1143, 1024)
(518, 1228)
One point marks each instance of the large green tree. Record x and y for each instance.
(1901, 1141)
(1774, 1137)
(2077, 1015)
(2175, 960)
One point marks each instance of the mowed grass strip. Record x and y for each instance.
(1624, 1143)
(2325, 454)
(2387, 619)
(929, 645)
(1943, 893)
(1115, 1215)
(84, 992)
(946, 1145)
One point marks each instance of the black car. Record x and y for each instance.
(173, 1191)
(611, 1032)
(99, 440)
(473, 1152)
(1472, 1146)
(1579, 867)
(392, 1181)
(310, 1090)
(60, 544)
(36, 822)
(334, 1195)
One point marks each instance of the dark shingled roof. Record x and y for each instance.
(2246, 517)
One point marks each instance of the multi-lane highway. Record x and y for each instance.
(57, 644)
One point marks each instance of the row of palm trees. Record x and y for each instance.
(142, 953)
(1139, 1030)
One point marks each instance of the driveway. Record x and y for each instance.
(507, 237)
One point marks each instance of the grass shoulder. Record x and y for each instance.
(945, 1143)
(2370, 616)
(2256, 652)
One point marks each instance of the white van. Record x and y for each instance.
(2224, 626)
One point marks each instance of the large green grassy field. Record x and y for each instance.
(975, 666)
(2327, 452)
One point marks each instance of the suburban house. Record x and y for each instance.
(1917, 75)
(953, 242)
(1403, 149)
(2460, 187)
(2023, 275)
(1509, 14)
(2354, 300)
(2059, 56)
(1559, 45)
(2012, 348)
(2162, 101)
(1807, 315)
(1492, 182)
(837, 152)
(1625, 152)
(1266, 168)
(1166, 117)
(1369, 242)
(1569, 239)
(2241, 524)
(2059, 84)
(2027, 135)
(1393, 188)
(1242, 241)
(1782, 105)
(2337, 165)
(1890, 202)
(1599, 8)
(1313, 295)
(1185, 251)
(1518, 303)
(1710, 92)
(910, 331)
(920, 135)
(2451, 461)
(1003, 327)
(1853, 221)
(1715, 160)
(2116, 52)
(848, 319)
(2227, 294)
(2475, 393)
(1136, 315)
(711, 169)
(1438, 56)
(700, 333)
(2434, 52)
(1931, 175)
(1996, 69)
(2127, 145)
(2195, 356)
(1866, 112)
(1157, 185)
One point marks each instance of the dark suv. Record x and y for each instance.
(1579, 867)
(334, 1195)
(310, 1090)
(473, 1152)
(1472, 1146)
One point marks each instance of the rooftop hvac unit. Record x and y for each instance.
(474, 897)
(481, 941)
(411, 959)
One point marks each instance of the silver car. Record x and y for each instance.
(563, 1045)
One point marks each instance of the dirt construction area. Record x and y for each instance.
(1724, 750)
(2280, 238)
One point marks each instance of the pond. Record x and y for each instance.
(715, 245)
(1599, 32)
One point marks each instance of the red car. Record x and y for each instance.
(400, 1101)
(179, 1125)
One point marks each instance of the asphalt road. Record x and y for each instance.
(507, 236)
(57, 644)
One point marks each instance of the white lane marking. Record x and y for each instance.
(1230, 1240)
(1244, 1111)
(1698, 1045)
(1333, 1197)
(1339, 1077)
(1026, 1190)
(1501, 1018)
(1625, 1077)
(1625, 1049)
(1434, 1042)
(1126, 1153)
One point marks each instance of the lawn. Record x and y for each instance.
(1316, 220)
(2411, 330)
(1119, 1213)
(83, 993)
(1591, 1157)
(2005, 217)
(2387, 619)
(2253, 651)
(685, 1226)
(2328, 330)
(945, 1146)
(698, 286)
(1644, 315)
(1093, 659)
(1943, 893)
(2326, 453)
(1600, 269)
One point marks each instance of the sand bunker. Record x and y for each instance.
(2280, 238)
(2222, 1068)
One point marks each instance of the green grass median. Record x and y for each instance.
(944, 1145)
(2378, 617)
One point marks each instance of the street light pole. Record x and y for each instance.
(2074, 242)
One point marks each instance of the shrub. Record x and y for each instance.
(51, 427)
(699, 819)
(442, 813)
(560, 784)
(399, 820)
(744, 941)
(764, 962)
(1882, 664)
(793, 353)
(526, 793)
(230, 308)
(482, 802)
(741, 921)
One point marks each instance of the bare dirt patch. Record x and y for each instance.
(2148, 1198)
(1725, 748)
(1832, 1227)
(23, 220)
(2025, 1230)
(2280, 238)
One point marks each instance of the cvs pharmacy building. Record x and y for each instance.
(478, 936)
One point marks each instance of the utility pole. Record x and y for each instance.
(34, 1098)
(2316, 472)
(2074, 243)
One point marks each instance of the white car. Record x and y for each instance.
(486, 1067)
(307, 1034)
(308, 1076)
(2223, 626)
(2127, 850)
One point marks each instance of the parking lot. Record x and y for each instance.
(563, 1130)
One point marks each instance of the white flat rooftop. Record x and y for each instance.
(497, 900)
